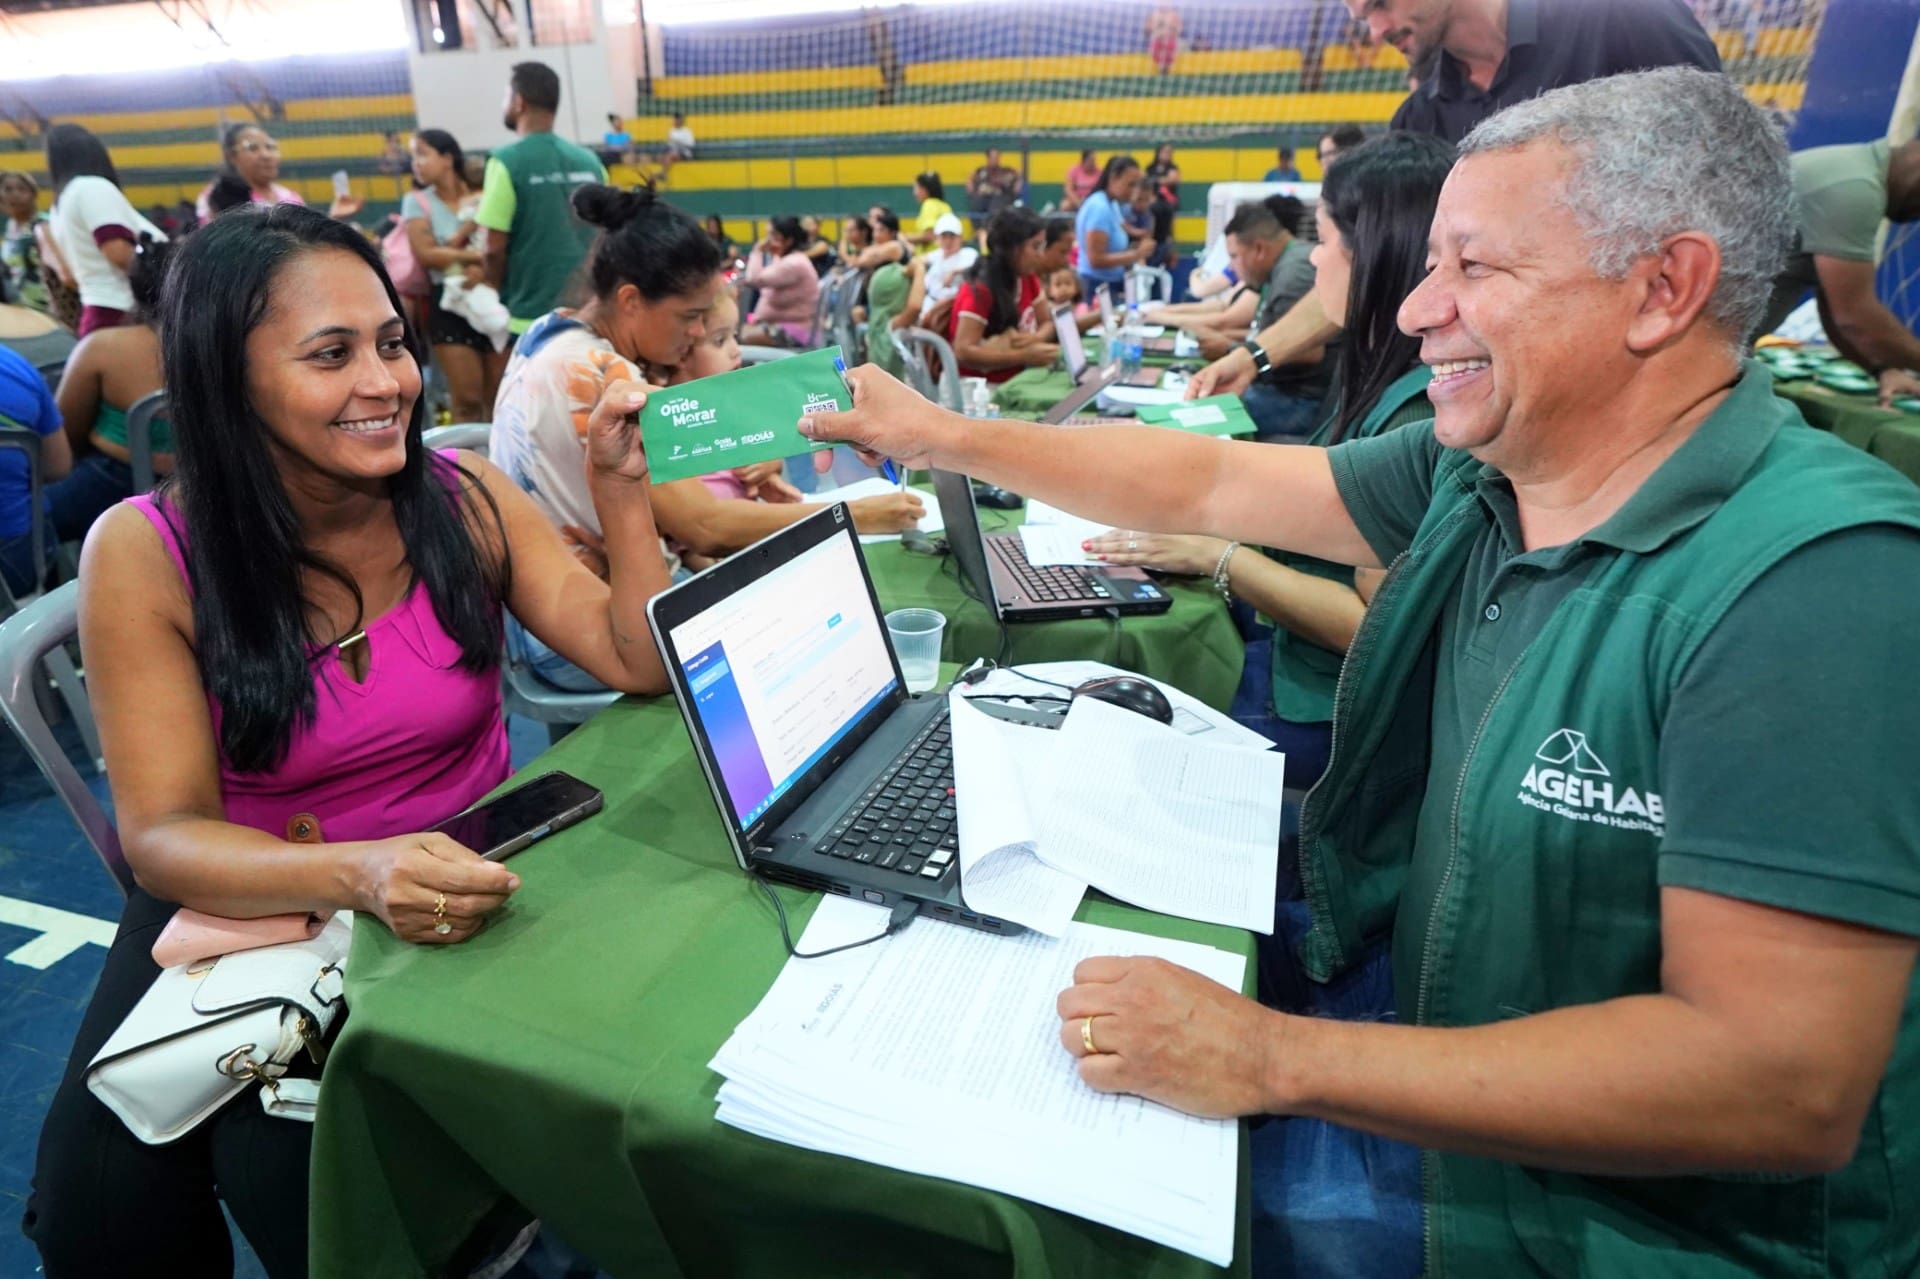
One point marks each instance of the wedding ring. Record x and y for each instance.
(1086, 1037)
(440, 924)
(1133, 544)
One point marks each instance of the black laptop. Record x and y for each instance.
(827, 774)
(995, 566)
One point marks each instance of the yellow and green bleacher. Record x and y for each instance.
(781, 133)
(163, 129)
(790, 139)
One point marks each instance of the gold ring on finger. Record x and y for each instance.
(1086, 1037)
(440, 924)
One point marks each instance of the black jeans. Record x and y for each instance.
(104, 1203)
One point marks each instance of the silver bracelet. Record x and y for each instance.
(1220, 572)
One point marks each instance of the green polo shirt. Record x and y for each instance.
(1786, 752)
(1840, 197)
(1804, 690)
(528, 194)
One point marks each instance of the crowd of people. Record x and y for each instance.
(1641, 1009)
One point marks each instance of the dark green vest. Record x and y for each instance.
(1548, 896)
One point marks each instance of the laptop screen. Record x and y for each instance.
(1068, 333)
(1106, 305)
(781, 670)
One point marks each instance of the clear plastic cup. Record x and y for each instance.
(915, 633)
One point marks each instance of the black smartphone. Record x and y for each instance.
(524, 815)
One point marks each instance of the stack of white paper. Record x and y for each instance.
(937, 1051)
(930, 523)
(1170, 819)
(1052, 536)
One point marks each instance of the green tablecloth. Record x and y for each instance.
(558, 1059)
(1888, 434)
(1192, 646)
(1031, 392)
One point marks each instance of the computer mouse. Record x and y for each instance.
(996, 497)
(1129, 692)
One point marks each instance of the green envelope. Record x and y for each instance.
(1213, 415)
(739, 418)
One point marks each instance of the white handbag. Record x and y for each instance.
(202, 1034)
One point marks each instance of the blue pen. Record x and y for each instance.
(894, 474)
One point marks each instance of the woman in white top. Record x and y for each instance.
(94, 225)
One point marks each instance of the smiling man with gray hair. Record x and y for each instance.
(1617, 797)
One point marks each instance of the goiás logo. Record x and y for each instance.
(684, 410)
(1568, 779)
(820, 402)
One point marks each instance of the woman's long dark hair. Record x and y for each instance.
(147, 276)
(1116, 165)
(1381, 195)
(930, 183)
(245, 556)
(446, 144)
(645, 242)
(74, 152)
(999, 271)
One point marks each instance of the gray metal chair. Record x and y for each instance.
(524, 693)
(65, 678)
(521, 691)
(844, 330)
(471, 436)
(920, 349)
(765, 354)
(830, 286)
(32, 640)
(140, 437)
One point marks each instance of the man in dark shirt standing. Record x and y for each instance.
(1477, 56)
(1493, 53)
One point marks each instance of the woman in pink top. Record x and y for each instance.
(298, 638)
(789, 287)
(250, 153)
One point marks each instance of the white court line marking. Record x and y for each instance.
(61, 932)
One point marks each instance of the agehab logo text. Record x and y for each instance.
(1568, 779)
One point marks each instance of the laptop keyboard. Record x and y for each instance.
(905, 821)
(1053, 583)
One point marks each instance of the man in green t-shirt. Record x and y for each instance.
(534, 241)
(1616, 805)
(1842, 194)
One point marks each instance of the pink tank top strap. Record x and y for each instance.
(162, 516)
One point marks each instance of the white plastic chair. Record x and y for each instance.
(32, 640)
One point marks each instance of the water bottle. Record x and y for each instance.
(983, 405)
(1132, 345)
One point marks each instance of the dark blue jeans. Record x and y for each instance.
(1305, 745)
(1280, 418)
(1328, 1201)
(16, 562)
(75, 502)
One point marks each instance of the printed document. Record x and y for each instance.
(930, 523)
(883, 1053)
(999, 873)
(1052, 536)
(1149, 815)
